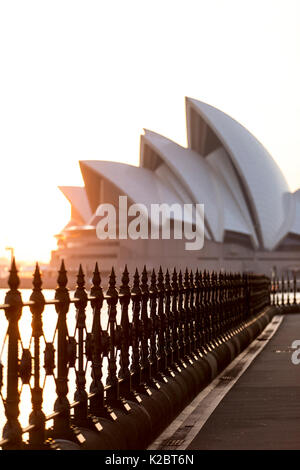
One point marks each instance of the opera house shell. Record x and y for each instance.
(252, 219)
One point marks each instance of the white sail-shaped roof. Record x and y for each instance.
(295, 227)
(224, 167)
(192, 173)
(203, 184)
(291, 225)
(236, 213)
(263, 182)
(142, 186)
(78, 199)
(139, 184)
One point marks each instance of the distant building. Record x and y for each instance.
(252, 220)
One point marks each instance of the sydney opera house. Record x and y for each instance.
(251, 218)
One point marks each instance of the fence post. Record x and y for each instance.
(187, 314)
(277, 291)
(162, 323)
(207, 310)
(61, 428)
(12, 429)
(235, 301)
(145, 362)
(230, 306)
(176, 320)
(241, 301)
(193, 294)
(169, 324)
(288, 288)
(97, 406)
(181, 322)
(126, 336)
(204, 309)
(202, 317)
(216, 308)
(214, 313)
(136, 330)
(154, 325)
(197, 318)
(81, 410)
(221, 307)
(295, 287)
(37, 417)
(112, 379)
(273, 288)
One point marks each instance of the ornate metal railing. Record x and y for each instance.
(284, 291)
(127, 336)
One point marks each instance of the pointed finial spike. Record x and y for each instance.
(136, 282)
(37, 279)
(112, 278)
(13, 279)
(124, 288)
(153, 281)
(144, 281)
(62, 279)
(112, 292)
(160, 280)
(13, 264)
(167, 280)
(80, 277)
(125, 277)
(96, 280)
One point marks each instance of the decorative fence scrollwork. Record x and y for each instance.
(124, 340)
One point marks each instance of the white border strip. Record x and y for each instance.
(195, 415)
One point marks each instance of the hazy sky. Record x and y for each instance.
(81, 79)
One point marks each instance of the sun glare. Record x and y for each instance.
(87, 91)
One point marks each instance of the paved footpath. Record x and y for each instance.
(253, 404)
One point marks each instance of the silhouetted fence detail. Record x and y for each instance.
(284, 291)
(145, 331)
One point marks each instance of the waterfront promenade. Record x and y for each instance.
(253, 404)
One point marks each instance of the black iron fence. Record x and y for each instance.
(284, 290)
(149, 326)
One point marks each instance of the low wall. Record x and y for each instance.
(135, 422)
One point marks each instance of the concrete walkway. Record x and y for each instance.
(253, 404)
